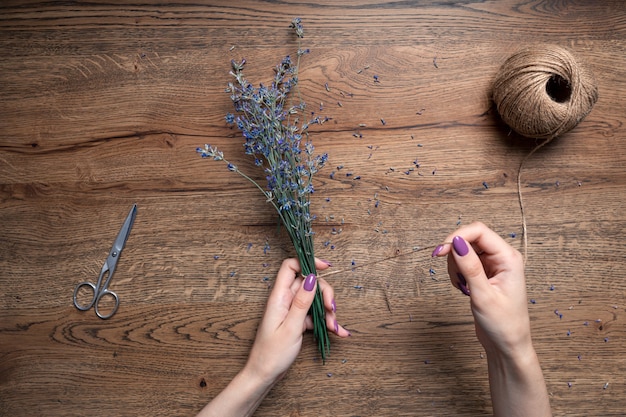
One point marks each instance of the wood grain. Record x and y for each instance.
(103, 105)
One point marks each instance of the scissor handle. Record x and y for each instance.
(84, 307)
(95, 301)
(113, 310)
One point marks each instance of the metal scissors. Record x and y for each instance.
(109, 266)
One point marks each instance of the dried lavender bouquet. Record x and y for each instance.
(280, 144)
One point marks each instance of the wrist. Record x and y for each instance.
(513, 343)
(514, 360)
(517, 384)
(241, 397)
(257, 376)
(513, 352)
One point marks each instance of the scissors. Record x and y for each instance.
(109, 266)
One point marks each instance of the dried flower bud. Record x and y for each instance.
(296, 24)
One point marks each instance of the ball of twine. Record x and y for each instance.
(543, 91)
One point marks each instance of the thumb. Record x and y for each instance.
(301, 303)
(467, 267)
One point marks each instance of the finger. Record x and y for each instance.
(465, 265)
(289, 269)
(341, 331)
(480, 236)
(330, 307)
(457, 279)
(295, 319)
(293, 266)
(328, 295)
(321, 264)
(279, 301)
(308, 322)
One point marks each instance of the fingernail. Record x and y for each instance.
(437, 250)
(333, 305)
(336, 327)
(463, 284)
(309, 282)
(459, 245)
(461, 278)
(326, 262)
(464, 289)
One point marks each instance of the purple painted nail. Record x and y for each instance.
(336, 327)
(461, 278)
(333, 305)
(437, 251)
(309, 282)
(327, 262)
(459, 245)
(463, 284)
(464, 289)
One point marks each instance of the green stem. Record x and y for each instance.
(306, 257)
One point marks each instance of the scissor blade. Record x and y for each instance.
(120, 241)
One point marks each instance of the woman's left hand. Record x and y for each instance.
(279, 337)
(278, 340)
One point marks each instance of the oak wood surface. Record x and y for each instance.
(103, 104)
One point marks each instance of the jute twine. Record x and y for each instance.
(541, 92)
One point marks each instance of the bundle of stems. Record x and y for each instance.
(280, 145)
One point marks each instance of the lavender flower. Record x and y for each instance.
(279, 143)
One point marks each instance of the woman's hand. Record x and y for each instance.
(491, 272)
(279, 337)
(278, 340)
(482, 265)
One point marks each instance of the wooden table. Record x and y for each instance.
(103, 106)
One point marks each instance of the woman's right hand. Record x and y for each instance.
(482, 265)
(491, 272)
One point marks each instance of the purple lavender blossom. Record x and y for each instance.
(273, 134)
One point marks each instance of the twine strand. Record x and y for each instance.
(521, 200)
(542, 92)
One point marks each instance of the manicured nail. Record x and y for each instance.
(459, 245)
(333, 305)
(309, 282)
(437, 251)
(463, 284)
(336, 327)
(326, 262)
(464, 289)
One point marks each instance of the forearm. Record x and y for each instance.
(240, 398)
(517, 385)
